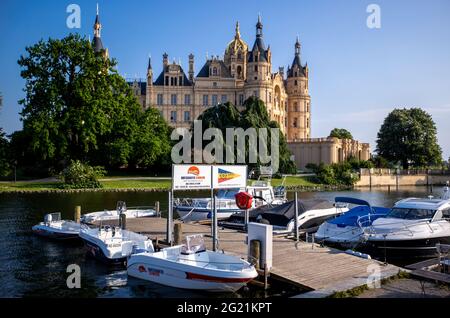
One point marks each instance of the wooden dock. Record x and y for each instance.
(321, 270)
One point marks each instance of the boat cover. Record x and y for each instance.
(351, 217)
(282, 214)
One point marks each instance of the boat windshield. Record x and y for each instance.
(411, 214)
(227, 193)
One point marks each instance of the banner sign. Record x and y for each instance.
(191, 177)
(227, 176)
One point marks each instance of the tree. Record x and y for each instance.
(77, 107)
(5, 166)
(254, 116)
(409, 136)
(341, 133)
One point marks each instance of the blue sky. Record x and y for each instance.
(357, 74)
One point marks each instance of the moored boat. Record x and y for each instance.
(55, 228)
(112, 245)
(411, 229)
(191, 266)
(311, 213)
(197, 209)
(347, 230)
(108, 215)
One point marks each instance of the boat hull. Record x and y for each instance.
(54, 234)
(199, 214)
(186, 277)
(414, 248)
(96, 252)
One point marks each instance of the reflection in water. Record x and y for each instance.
(33, 266)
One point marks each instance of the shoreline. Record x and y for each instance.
(318, 188)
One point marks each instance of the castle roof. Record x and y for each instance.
(237, 43)
(97, 44)
(160, 80)
(224, 72)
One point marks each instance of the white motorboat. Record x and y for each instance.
(108, 215)
(311, 214)
(347, 230)
(412, 228)
(197, 209)
(112, 245)
(191, 266)
(55, 228)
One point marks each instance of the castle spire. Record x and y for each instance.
(238, 33)
(259, 27)
(297, 47)
(97, 42)
(149, 67)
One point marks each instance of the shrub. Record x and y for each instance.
(335, 174)
(79, 175)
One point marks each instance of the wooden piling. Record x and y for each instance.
(123, 221)
(255, 253)
(77, 214)
(178, 233)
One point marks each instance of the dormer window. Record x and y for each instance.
(214, 71)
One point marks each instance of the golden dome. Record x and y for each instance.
(237, 43)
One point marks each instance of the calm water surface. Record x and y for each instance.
(32, 266)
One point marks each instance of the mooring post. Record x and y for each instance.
(255, 253)
(296, 216)
(123, 221)
(169, 221)
(266, 274)
(156, 244)
(177, 233)
(77, 215)
(158, 213)
(389, 188)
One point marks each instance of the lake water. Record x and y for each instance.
(32, 266)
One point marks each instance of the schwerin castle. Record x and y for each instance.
(243, 72)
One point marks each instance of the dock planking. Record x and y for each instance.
(322, 270)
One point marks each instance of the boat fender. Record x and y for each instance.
(358, 254)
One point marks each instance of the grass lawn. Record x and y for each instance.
(291, 181)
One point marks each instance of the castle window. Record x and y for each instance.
(205, 100)
(255, 93)
(295, 107)
(307, 107)
(295, 83)
(270, 97)
(214, 71)
(167, 81)
(239, 56)
(175, 81)
(173, 99)
(223, 99)
(181, 81)
(173, 116)
(171, 81)
(294, 124)
(214, 84)
(241, 99)
(307, 123)
(159, 99)
(239, 71)
(295, 75)
(214, 100)
(187, 116)
(256, 78)
(187, 99)
(256, 68)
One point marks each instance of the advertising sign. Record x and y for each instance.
(191, 177)
(229, 177)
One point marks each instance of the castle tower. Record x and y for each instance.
(191, 67)
(299, 108)
(235, 57)
(97, 42)
(259, 66)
